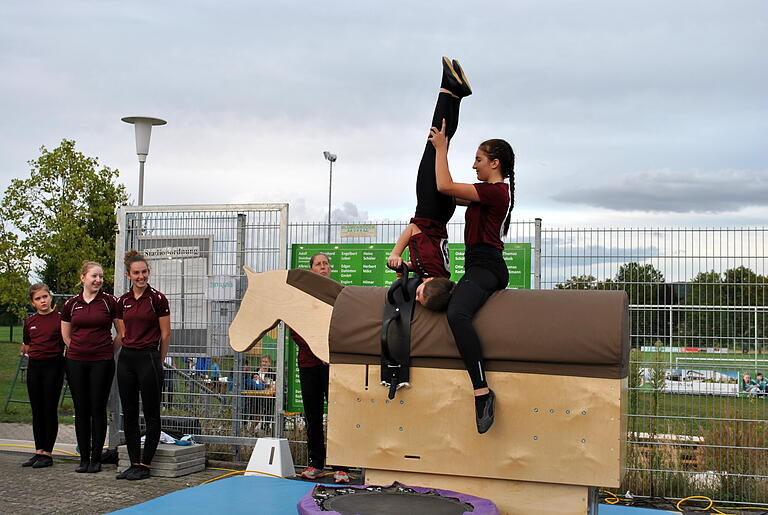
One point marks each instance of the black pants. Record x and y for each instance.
(140, 372)
(90, 383)
(486, 273)
(45, 378)
(314, 392)
(430, 203)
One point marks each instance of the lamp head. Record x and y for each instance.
(143, 125)
(330, 157)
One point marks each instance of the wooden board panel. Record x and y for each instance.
(549, 429)
(511, 497)
(270, 299)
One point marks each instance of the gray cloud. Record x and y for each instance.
(674, 191)
(254, 92)
(348, 213)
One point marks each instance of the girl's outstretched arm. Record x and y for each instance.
(445, 184)
(395, 260)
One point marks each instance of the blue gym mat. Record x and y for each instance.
(231, 496)
(268, 495)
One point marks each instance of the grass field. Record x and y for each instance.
(5, 334)
(20, 412)
(674, 413)
(731, 361)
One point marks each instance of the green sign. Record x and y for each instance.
(365, 264)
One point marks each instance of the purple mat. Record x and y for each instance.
(308, 505)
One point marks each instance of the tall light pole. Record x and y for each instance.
(143, 125)
(331, 159)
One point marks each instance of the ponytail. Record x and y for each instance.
(501, 150)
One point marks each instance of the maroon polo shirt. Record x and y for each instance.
(305, 358)
(91, 331)
(141, 317)
(485, 219)
(429, 249)
(42, 336)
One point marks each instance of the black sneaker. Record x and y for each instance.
(43, 461)
(31, 461)
(124, 474)
(139, 473)
(83, 467)
(94, 467)
(485, 420)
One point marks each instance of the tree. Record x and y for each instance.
(14, 270)
(705, 289)
(644, 284)
(738, 286)
(578, 282)
(65, 212)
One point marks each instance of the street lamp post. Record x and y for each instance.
(331, 159)
(143, 125)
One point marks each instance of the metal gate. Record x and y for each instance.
(196, 256)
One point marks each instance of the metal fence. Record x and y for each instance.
(196, 255)
(698, 305)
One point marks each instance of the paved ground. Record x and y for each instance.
(62, 490)
(59, 489)
(24, 432)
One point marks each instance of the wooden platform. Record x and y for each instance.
(554, 436)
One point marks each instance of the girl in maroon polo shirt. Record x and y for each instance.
(486, 221)
(45, 373)
(86, 326)
(426, 236)
(144, 322)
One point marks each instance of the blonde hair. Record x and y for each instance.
(134, 256)
(36, 288)
(87, 265)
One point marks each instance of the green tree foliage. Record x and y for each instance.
(65, 212)
(14, 269)
(578, 282)
(644, 285)
(738, 286)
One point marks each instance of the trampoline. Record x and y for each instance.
(393, 499)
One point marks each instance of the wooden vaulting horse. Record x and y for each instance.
(557, 360)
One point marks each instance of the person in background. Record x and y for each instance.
(266, 372)
(144, 323)
(45, 373)
(313, 374)
(762, 383)
(86, 328)
(215, 369)
(749, 385)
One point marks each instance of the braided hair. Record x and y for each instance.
(501, 150)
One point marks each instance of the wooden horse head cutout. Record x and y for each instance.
(300, 298)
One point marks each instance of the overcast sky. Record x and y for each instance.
(620, 113)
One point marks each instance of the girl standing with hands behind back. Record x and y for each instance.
(86, 327)
(144, 322)
(45, 373)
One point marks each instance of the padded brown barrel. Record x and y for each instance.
(583, 333)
